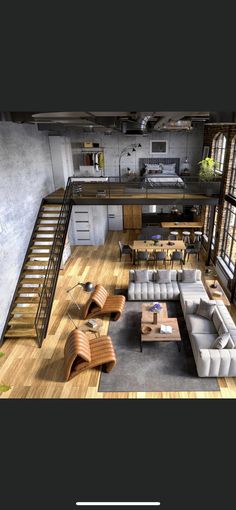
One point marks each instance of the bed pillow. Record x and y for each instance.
(169, 169)
(153, 166)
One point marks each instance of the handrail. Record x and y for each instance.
(53, 267)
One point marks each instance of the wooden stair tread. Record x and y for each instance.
(29, 290)
(32, 272)
(49, 218)
(43, 239)
(22, 320)
(41, 247)
(29, 299)
(39, 281)
(36, 263)
(25, 309)
(42, 231)
(19, 333)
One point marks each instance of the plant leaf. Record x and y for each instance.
(4, 387)
(1, 354)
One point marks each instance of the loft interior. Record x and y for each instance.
(141, 205)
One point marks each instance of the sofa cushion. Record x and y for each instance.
(221, 341)
(202, 341)
(217, 319)
(141, 276)
(206, 308)
(189, 275)
(162, 276)
(199, 324)
(132, 273)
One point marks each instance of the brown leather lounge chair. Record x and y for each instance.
(81, 353)
(102, 303)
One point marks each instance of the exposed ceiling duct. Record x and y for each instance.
(138, 126)
(127, 123)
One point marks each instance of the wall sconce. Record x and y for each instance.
(124, 151)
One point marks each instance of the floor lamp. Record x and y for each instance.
(87, 287)
(126, 150)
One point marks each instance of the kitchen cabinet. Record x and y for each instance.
(132, 216)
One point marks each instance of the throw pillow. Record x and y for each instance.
(217, 320)
(191, 307)
(230, 344)
(206, 308)
(141, 276)
(163, 276)
(221, 341)
(189, 275)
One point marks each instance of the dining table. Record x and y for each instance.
(160, 245)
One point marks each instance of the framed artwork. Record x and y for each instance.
(158, 147)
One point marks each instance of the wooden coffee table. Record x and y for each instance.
(155, 335)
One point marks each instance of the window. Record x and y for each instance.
(218, 150)
(214, 229)
(232, 169)
(207, 221)
(228, 251)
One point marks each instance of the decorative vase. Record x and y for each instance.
(155, 317)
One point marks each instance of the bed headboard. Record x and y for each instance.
(165, 161)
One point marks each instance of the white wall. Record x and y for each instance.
(25, 178)
(178, 144)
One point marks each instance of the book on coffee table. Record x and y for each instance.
(165, 329)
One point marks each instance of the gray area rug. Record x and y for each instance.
(160, 367)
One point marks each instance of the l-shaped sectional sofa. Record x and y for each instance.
(210, 361)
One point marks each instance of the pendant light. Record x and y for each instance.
(194, 209)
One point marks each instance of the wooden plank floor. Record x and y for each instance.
(38, 373)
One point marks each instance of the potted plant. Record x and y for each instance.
(208, 166)
(3, 387)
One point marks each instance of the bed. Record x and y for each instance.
(161, 173)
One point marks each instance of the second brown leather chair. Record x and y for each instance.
(102, 303)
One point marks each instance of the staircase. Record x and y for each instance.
(31, 305)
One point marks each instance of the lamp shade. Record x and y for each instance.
(88, 286)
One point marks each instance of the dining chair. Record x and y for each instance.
(159, 256)
(142, 255)
(125, 249)
(177, 256)
(193, 249)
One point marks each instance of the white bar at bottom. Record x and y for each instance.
(118, 503)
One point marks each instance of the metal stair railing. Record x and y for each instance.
(50, 280)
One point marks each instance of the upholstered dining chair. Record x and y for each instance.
(177, 256)
(142, 255)
(125, 249)
(159, 256)
(193, 249)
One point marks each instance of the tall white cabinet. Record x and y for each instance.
(89, 224)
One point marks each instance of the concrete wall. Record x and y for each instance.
(25, 178)
(179, 144)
